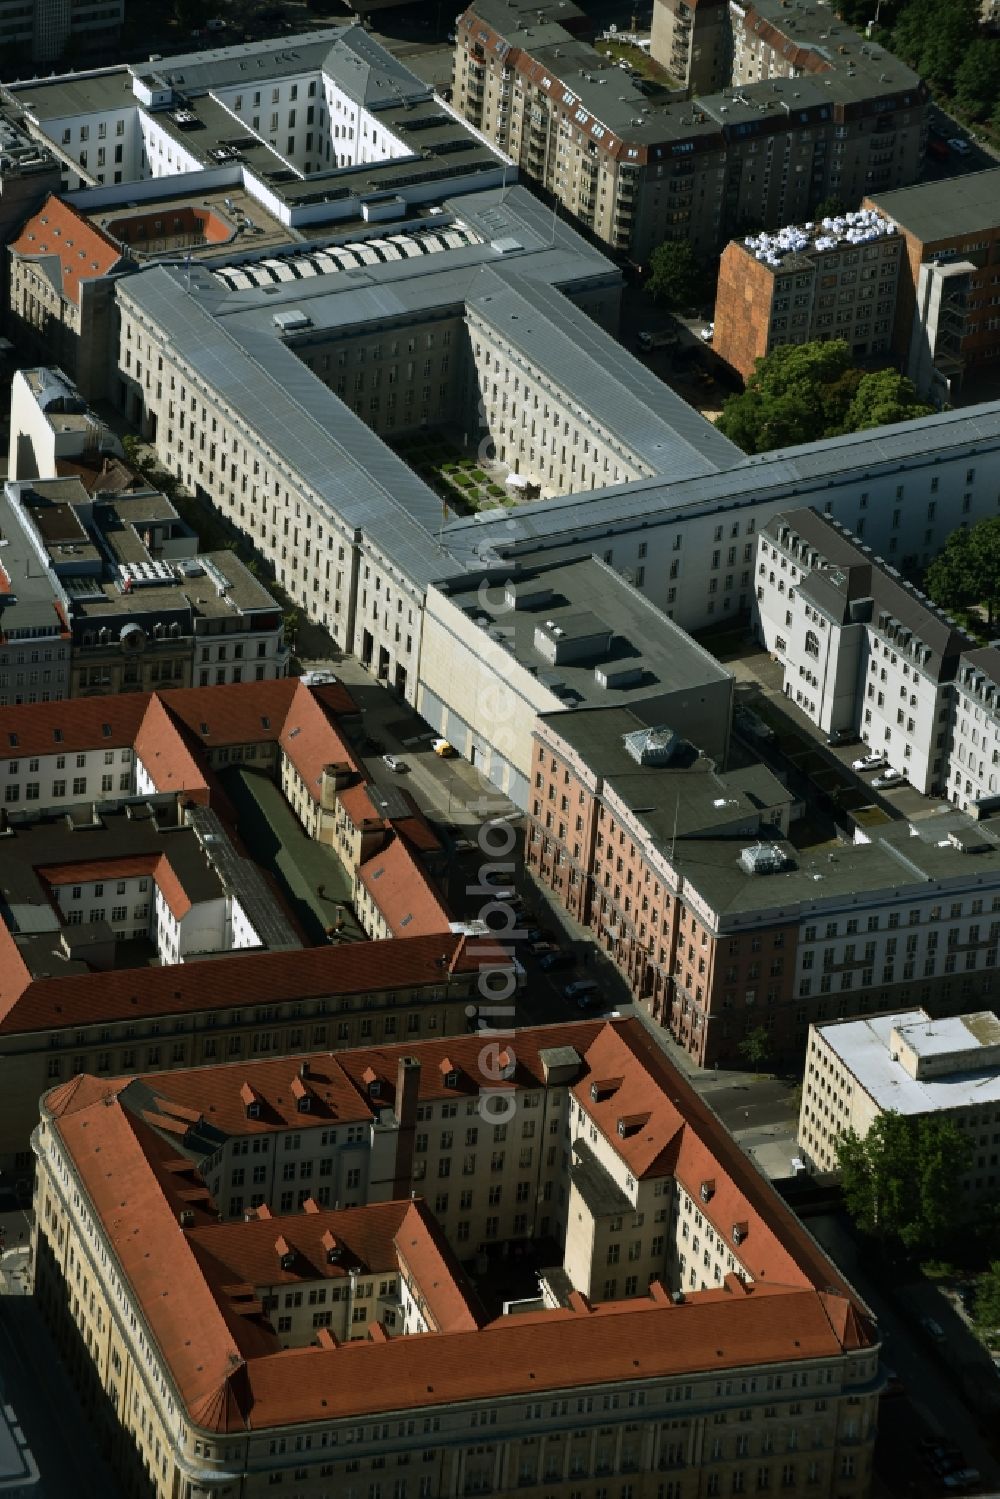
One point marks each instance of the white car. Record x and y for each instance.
(960, 147)
(708, 332)
(888, 780)
(869, 762)
(393, 762)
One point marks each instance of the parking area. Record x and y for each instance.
(804, 747)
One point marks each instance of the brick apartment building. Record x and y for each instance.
(947, 324)
(818, 281)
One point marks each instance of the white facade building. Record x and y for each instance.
(865, 652)
(857, 1070)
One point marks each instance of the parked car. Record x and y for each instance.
(963, 1479)
(869, 762)
(444, 749)
(555, 962)
(541, 948)
(580, 987)
(889, 779)
(592, 1000)
(665, 338)
(842, 736)
(748, 721)
(393, 762)
(956, 143)
(932, 1329)
(708, 332)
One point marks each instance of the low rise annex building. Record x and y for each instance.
(498, 650)
(683, 1317)
(910, 1064)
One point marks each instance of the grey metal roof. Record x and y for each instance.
(798, 473)
(370, 74)
(644, 414)
(940, 210)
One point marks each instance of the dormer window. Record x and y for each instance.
(451, 1079)
(304, 1104)
(739, 1232)
(253, 1110)
(707, 1191)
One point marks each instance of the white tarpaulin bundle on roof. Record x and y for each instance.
(859, 228)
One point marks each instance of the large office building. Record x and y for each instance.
(675, 1327)
(865, 652)
(722, 916)
(800, 109)
(909, 1064)
(277, 383)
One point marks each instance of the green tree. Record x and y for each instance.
(882, 397)
(901, 1181)
(674, 273)
(188, 14)
(977, 81)
(934, 36)
(987, 1301)
(967, 572)
(801, 392)
(830, 207)
(756, 1046)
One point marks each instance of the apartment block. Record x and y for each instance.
(865, 652)
(909, 1064)
(722, 920)
(947, 326)
(299, 1362)
(46, 29)
(692, 39)
(119, 599)
(790, 108)
(815, 281)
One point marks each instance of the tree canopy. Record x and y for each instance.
(802, 392)
(675, 275)
(901, 1181)
(966, 574)
(987, 1302)
(934, 37)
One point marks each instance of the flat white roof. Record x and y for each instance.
(863, 1048)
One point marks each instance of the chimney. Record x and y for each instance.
(405, 1111)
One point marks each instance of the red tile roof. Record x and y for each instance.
(167, 756)
(239, 979)
(79, 724)
(310, 738)
(223, 1359)
(82, 249)
(339, 1081)
(397, 884)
